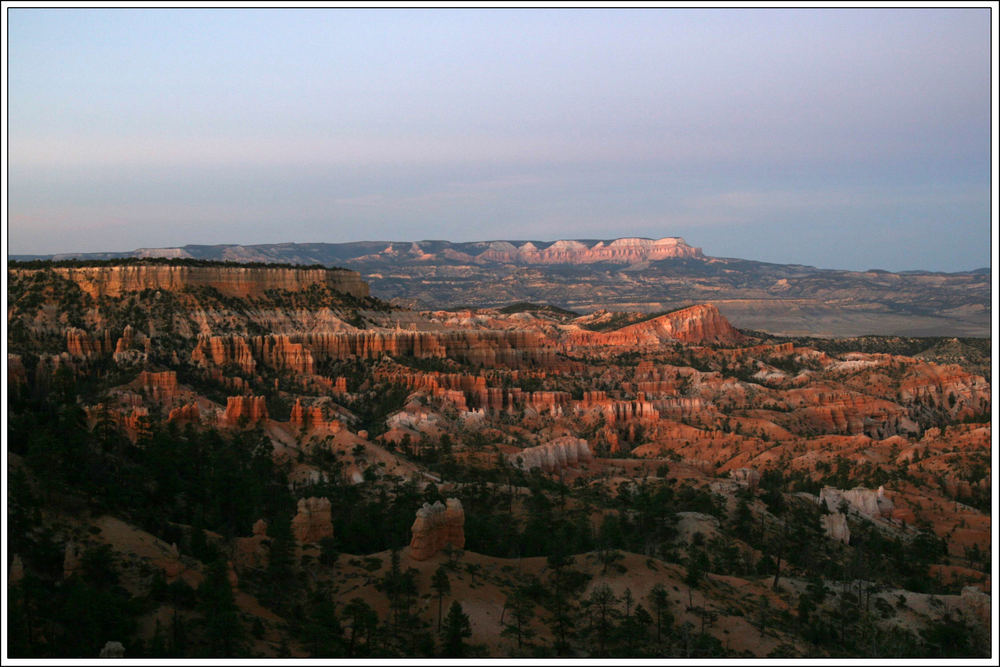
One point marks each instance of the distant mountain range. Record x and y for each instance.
(635, 274)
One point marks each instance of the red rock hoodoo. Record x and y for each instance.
(253, 408)
(435, 527)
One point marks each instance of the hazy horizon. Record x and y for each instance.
(837, 138)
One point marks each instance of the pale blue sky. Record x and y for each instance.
(839, 138)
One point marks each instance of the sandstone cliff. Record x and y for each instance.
(237, 281)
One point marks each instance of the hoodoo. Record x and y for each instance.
(437, 526)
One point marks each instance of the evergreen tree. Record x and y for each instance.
(456, 629)
(223, 629)
(442, 586)
(661, 604)
(521, 612)
(603, 602)
(363, 621)
(323, 631)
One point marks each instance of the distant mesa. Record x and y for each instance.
(566, 251)
(624, 250)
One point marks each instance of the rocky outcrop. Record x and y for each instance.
(300, 351)
(836, 527)
(867, 502)
(251, 553)
(236, 281)
(279, 352)
(510, 348)
(224, 351)
(161, 386)
(80, 344)
(313, 521)
(619, 411)
(850, 413)
(435, 527)
(185, 413)
(126, 348)
(746, 476)
(251, 408)
(698, 324)
(946, 388)
(561, 453)
(313, 418)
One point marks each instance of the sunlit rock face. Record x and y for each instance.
(700, 324)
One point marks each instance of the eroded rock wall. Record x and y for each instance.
(237, 281)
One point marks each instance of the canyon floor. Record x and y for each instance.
(215, 461)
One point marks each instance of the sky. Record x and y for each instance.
(837, 138)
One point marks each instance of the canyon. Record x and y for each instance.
(280, 428)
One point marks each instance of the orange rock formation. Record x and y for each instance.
(253, 408)
(80, 344)
(188, 412)
(435, 526)
(161, 386)
(698, 324)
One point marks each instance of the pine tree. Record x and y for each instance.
(604, 602)
(363, 621)
(661, 604)
(442, 586)
(521, 612)
(456, 629)
(222, 622)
